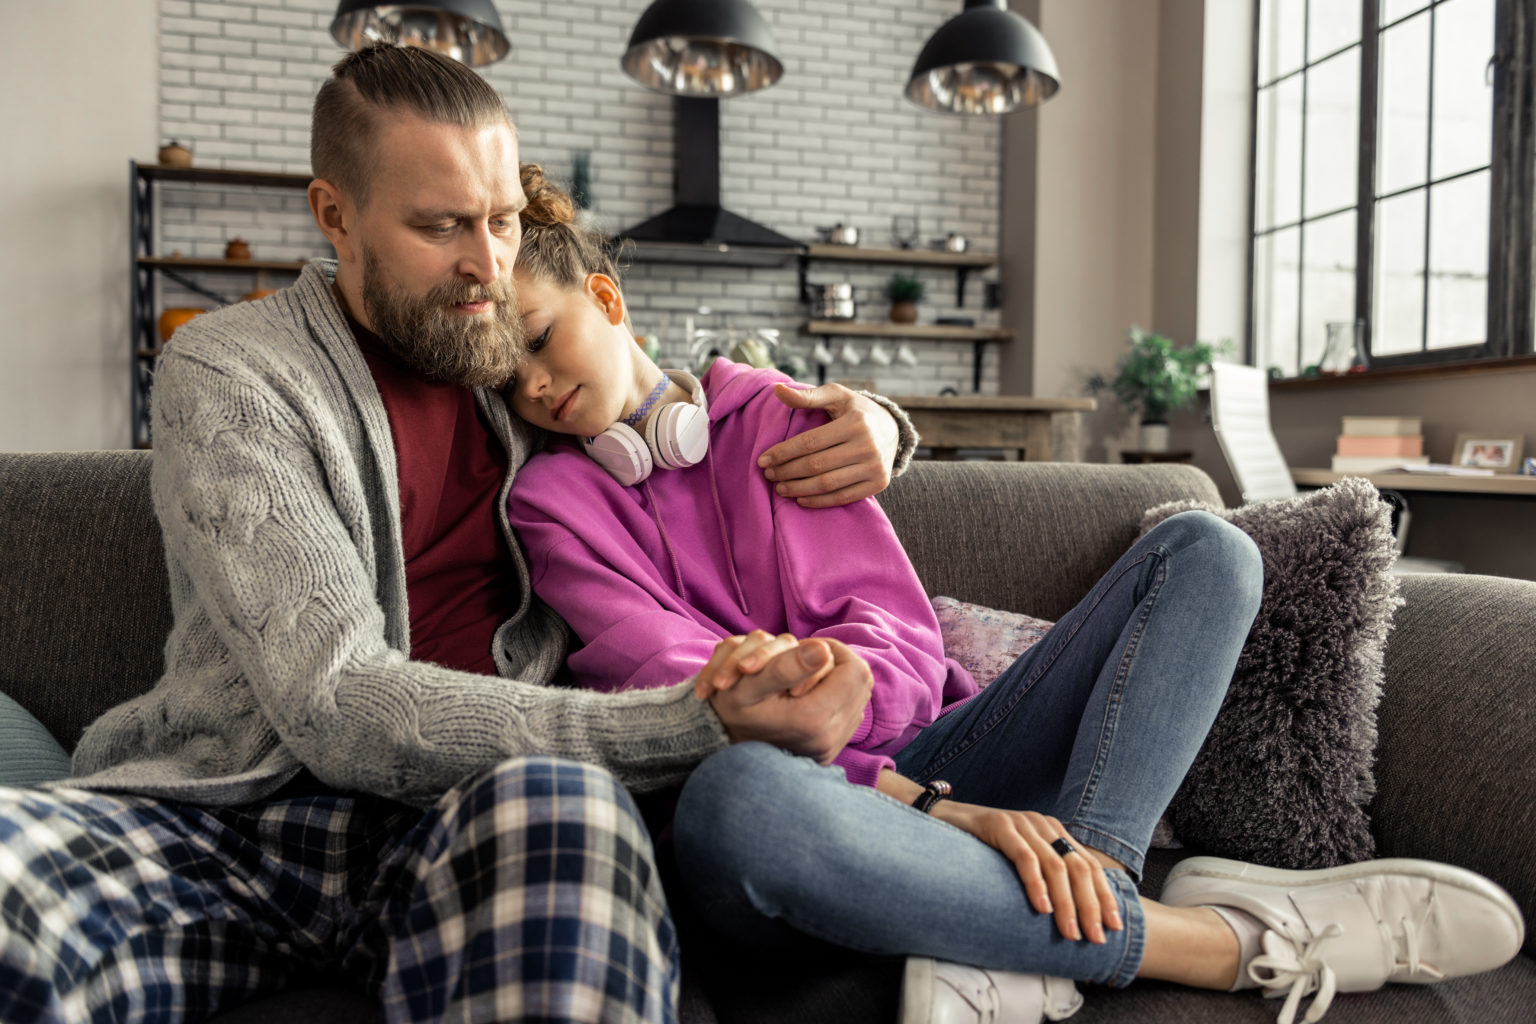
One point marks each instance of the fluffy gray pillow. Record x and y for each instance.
(1285, 774)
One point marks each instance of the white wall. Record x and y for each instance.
(77, 101)
(1094, 148)
(1126, 196)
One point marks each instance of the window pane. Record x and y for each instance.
(1276, 281)
(1458, 262)
(1397, 325)
(1277, 186)
(1333, 133)
(1281, 27)
(1463, 136)
(1403, 146)
(1327, 281)
(1391, 10)
(1331, 25)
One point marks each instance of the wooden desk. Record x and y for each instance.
(948, 423)
(1136, 457)
(1499, 483)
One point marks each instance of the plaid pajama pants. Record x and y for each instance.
(528, 893)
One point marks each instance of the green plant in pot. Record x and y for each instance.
(1156, 378)
(906, 291)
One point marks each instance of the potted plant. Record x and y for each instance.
(1156, 378)
(906, 291)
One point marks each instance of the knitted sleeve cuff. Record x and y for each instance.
(909, 438)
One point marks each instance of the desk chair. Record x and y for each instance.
(1240, 416)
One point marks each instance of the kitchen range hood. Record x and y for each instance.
(697, 228)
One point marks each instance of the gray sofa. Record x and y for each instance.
(84, 612)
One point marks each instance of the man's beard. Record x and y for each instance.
(441, 346)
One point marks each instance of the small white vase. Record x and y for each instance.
(1154, 437)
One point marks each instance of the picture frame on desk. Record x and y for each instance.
(1488, 451)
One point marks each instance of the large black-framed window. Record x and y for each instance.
(1392, 181)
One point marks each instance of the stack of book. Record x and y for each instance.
(1376, 444)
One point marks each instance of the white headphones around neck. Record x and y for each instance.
(676, 435)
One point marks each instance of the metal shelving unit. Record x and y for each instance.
(144, 336)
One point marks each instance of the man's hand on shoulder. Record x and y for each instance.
(846, 459)
(808, 698)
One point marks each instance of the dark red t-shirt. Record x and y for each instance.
(459, 578)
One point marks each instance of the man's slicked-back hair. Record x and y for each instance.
(382, 79)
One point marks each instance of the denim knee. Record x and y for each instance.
(733, 803)
(730, 789)
(1223, 551)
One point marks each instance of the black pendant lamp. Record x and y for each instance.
(466, 30)
(703, 48)
(985, 60)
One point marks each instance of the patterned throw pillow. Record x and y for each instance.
(985, 641)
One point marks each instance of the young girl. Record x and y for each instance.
(670, 556)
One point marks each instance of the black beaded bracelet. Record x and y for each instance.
(932, 793)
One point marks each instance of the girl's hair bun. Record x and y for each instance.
(548, 203)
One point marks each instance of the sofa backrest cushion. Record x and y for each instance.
(1029, 537)
(84, 602)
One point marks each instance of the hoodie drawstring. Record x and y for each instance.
(666, 542)
(725, 538)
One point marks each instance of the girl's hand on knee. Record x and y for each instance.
(1072, 888)
(739, 656)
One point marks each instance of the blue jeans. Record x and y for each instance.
(1097, 724)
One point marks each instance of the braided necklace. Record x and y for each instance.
(645, 406)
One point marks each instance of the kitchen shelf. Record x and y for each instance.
(220, 176)
(218, 265)
(144, 334)
(910, 257)
(705, 253)
(930, 332)
(979, 337)
(962, 263)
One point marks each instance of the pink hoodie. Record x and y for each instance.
(652, 577)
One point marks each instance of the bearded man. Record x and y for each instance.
(356, 763)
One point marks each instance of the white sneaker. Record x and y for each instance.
(1355, 928)
(940, 992)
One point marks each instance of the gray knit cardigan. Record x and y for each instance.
(275, 484)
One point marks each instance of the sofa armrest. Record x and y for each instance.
(1029, 537)
(84, 599)
(1456, 756)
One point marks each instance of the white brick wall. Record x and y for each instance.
(833, 141)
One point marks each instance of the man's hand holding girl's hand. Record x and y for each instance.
(806, 696)
(739, 656)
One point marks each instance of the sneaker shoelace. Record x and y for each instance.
(1296, 967)
(1293, 968)
(976, 988)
